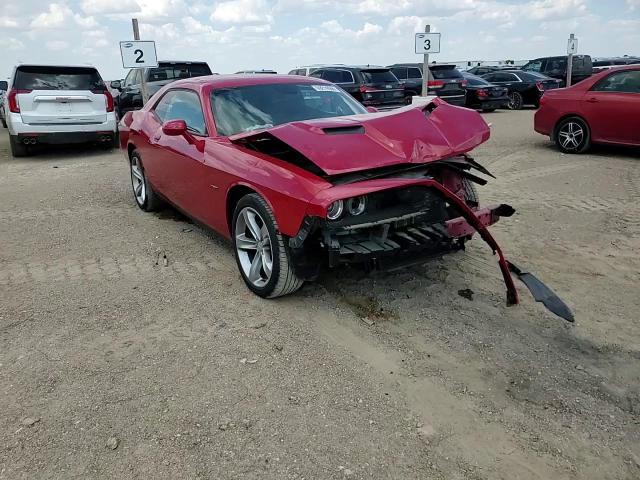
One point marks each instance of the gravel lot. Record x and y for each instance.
(103, 344)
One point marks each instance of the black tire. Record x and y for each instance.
(566, 135)
(18, 149)
(4, 122)
(471, 196)
(488, 110)
(150, 201)
(283, 279)
(515, 101)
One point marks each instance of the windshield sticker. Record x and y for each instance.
(325, 88)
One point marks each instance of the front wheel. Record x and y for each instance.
(515, 101)
(572, 135)
(261, 252)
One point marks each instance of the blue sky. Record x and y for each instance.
(281, 34)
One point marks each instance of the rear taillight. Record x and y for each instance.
(435, 83)
(108, 98)
(539, 86)
(12, 98)
(482, 93)
(364, 88)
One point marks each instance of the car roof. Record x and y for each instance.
(180, 61)
(242, 80)
(356, 67)
(52, 65)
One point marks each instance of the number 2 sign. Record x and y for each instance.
(138, 54)
(427, 43)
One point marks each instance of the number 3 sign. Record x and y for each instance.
(138, 54)
(427, 43)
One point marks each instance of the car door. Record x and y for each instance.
(612, 106)
(130, 92)
(179, 164)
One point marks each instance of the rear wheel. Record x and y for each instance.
(572, 135)
(261, 252)
(515, 101)
(18, 149)
(488, 110)
(4, 122)
(143, 193)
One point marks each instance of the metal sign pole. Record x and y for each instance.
(570, 60)
(425, 69)
(143, 82)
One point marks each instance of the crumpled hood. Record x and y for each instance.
(414, 134)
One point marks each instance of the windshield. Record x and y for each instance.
(475, 81)
(58, 78)
(252, 107)
(442, 72)
(178, 70)
(379, 76)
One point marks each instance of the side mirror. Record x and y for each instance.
(116, 84)
(372, 109)
(174, 128)
(4, 85)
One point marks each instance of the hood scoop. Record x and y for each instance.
(350, 130)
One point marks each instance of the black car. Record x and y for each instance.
(556, 67)
(130, 96)
(445, 81)
(485, 96)
(524, 88)
(370, 85)
(600, 64)
(484, 69)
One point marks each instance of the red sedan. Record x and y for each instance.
(604, 108)
(299, 175)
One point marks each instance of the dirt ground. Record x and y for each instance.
(104, 344)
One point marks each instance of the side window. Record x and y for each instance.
(534, 66)
(413, 72)
(624, 82)
(333, 76)
(400, 72)
(345, 76)
(317, 73)
(490, 77)
(182, 105)
(129, 78)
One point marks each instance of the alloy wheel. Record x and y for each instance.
(254, 248)
(515, 101)
(571, 136)
(137, 181)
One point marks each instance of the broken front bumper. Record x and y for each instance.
(403, 240)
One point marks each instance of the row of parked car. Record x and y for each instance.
(72, 104)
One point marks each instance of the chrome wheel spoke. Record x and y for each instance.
(245, 243)
(251, 223)
(138, 189)
(256, 268)
(267, 262)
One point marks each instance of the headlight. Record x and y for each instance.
(357, 205)
(335, 210)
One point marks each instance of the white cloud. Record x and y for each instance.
(56, 45)
(248, 12)
(404, 25)
(8, 22)
(554, 9)
(334, 27)
(109, 6)
(633, 4)
(8, 43)
(59, 16)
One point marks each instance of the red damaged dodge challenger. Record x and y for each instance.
(299, 176)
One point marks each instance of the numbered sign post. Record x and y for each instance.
(427, 43)
(572, 49)
(138, 54)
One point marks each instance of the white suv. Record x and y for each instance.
(49, 104)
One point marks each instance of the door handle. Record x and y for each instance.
(592, 100)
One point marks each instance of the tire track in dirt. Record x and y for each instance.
(540, 172)
(108, 268)
(84, 212)
(567, 201)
